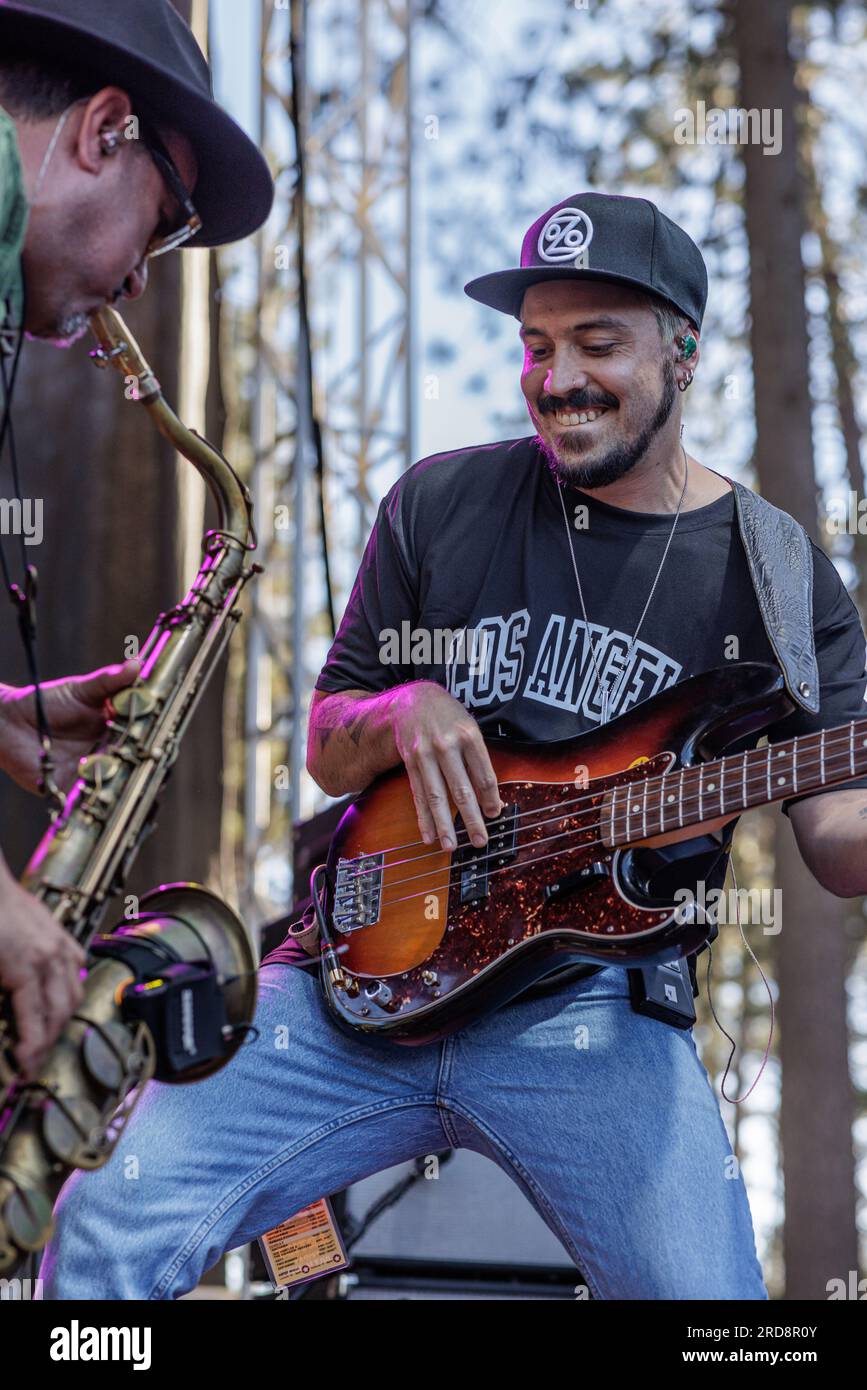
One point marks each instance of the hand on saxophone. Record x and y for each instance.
(75, 710)
(40, 968)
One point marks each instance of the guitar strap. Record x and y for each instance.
(780, 562)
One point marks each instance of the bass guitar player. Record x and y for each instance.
(603, 573)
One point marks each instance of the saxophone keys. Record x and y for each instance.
(26, 1220)
(98, 768)
(112, 1057)
(132, 702)
(74, 1131)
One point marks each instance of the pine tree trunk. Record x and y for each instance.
(816, 1108)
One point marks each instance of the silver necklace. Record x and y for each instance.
(603, 688)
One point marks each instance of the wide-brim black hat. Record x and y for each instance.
(146, 48)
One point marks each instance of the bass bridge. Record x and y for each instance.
(358, 892)
(476, 865)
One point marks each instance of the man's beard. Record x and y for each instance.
(622, 457)
(64, 331)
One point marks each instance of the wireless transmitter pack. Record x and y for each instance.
(664, 992)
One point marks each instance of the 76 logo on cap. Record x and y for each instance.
(565, 237)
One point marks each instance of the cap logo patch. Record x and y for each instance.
(565, 236)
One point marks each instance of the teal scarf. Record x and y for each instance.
(13, 222)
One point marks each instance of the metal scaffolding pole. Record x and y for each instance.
(342, 156)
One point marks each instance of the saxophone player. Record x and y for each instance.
(112, 150)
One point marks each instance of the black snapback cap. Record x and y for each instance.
(603, 236)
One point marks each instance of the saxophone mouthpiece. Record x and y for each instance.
(118, 348)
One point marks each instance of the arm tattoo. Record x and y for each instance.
(336, 714)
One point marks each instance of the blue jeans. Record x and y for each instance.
(604, 1118)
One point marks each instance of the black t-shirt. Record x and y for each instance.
(476, 539)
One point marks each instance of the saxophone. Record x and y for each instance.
(171, 992)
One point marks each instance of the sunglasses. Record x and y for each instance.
(169, 238)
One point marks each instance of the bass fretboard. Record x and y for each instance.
(727, 786)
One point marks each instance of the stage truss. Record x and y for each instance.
(352, 123)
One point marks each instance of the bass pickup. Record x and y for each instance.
(475, 865)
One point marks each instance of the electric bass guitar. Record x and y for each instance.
(590, 829)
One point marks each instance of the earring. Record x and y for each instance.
(685, 382)
(109, 141)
